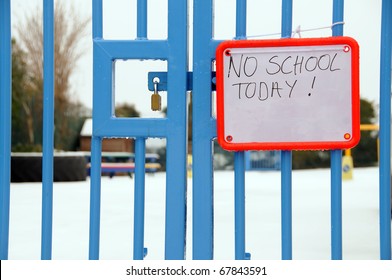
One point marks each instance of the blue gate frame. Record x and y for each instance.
(174, 129)
(204, 131)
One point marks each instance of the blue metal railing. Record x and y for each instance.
(286, 156)
(174, 50)
(203, 124)
(48, 131)
(138, 235)
(204, 131)
(5, 124)
(239, 158)
(142, 19)
(385, 131)
(336, 161)
(173, 128)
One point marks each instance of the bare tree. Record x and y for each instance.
(70, 28)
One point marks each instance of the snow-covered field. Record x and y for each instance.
(311, 217)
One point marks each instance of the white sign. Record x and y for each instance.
(288, 94)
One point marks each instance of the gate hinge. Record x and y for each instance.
(162, 84)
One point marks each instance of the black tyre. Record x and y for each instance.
(28, 168)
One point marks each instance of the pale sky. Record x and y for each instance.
(362, 22)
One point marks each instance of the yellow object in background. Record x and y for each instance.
(189, 166)
(347, 166)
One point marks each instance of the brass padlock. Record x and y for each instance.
(155, 99)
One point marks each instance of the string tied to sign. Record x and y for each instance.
(298, 30)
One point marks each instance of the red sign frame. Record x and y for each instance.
(349, 140)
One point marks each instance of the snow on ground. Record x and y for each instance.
(311, 217)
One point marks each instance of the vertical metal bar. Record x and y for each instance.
(142, 19)
(287, 18)
(239, 169)
(338, 16)
(95, 197)
(286, 157)
(96, 153)
(138, 236)
(241, 19)
(385, 131)
(286, 204)
(203, 133)
(5, 124)
(48, 131)
(176, 171)
(336, 162)
(97, 19)
(96, 146)
(239, 159)
(336, 204)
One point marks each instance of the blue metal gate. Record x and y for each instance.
(174, 129)
(204, 131)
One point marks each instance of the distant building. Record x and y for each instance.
(108, 145)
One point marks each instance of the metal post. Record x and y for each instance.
(138, 236)
(204, 130)
(48, 131)
(97, 19)
(176, 171)
(385, 131)
(239, 158)
(96, 148)
(336, 162)
(286, 156)
(142, 19)
(5, 124)
(239, 186)
(95, 197)
(241, 19)
(286, 207)
(336, 205)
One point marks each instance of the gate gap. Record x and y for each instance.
(316, 18)
(224, 19)
(131, 86)
(256, 19)
(157, 19)
(223, 197)
(155, 198)
(119, 19)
